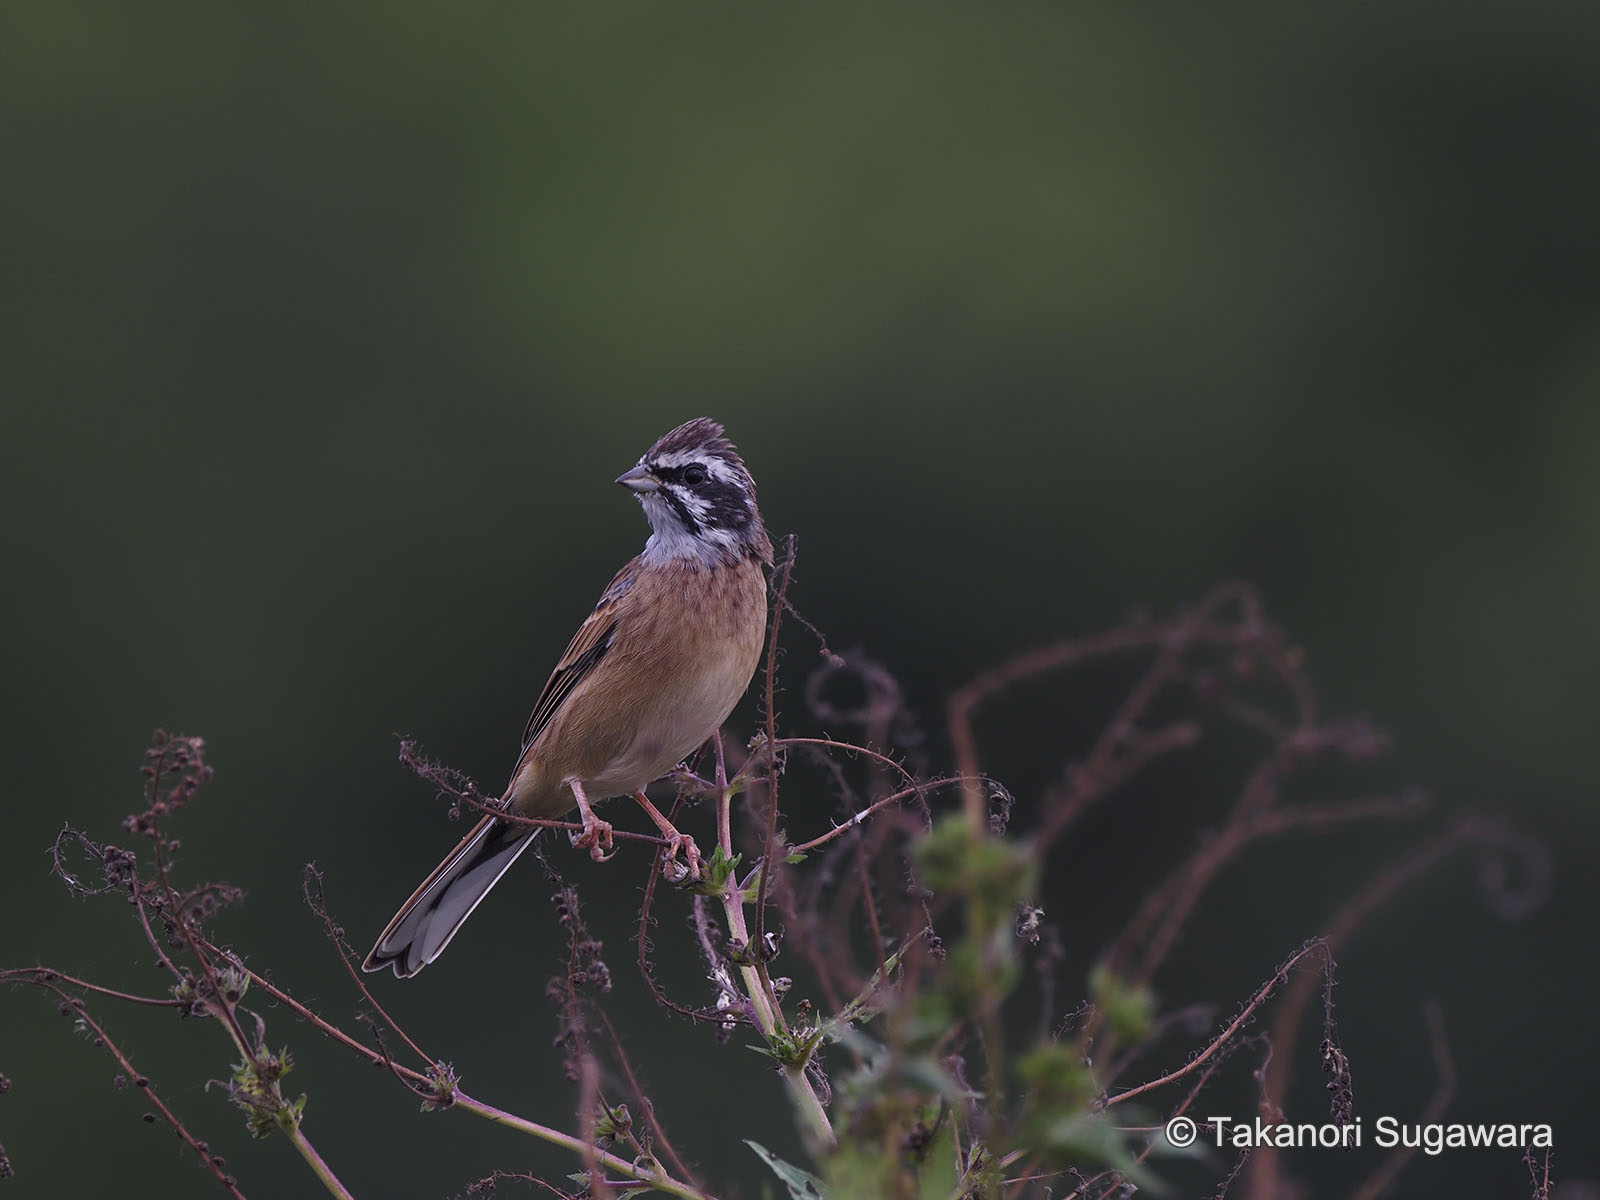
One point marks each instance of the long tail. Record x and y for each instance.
(425, 923)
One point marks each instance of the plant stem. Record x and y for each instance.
(287, 1119)
(661, 1181)
(318, 1167)
(459, 1099)
(804, 1095)
(758, 987)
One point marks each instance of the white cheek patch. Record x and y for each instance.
(698, 506)
(671, 537)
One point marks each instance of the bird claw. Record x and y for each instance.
(595, 838)
(687, 870)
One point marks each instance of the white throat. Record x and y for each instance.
(669, 541)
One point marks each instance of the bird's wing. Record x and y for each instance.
(588, 647)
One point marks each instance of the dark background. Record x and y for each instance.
(323, 332)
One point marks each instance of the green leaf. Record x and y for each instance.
(714, 874)
(802, 1185)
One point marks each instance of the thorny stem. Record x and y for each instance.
(1316, 946)
(81, 1013)
(860, 818)
(770, 712)
(318, 903)
(42, 975)
(763, 1001)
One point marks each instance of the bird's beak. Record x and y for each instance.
(639, 480)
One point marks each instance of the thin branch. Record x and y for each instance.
(859, 818)
(1316, 946)
(75, 1007)
(770, 714)
(657, 1130)
(318, 903)
(659, 1179)
(43, 975)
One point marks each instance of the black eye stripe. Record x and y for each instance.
(681, 474)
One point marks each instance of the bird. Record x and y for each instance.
(650, 676)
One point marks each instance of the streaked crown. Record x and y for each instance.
(698, 496)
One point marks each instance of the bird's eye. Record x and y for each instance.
(694, 474)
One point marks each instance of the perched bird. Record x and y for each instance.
(651, 674)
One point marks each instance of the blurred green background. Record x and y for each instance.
(324, 330)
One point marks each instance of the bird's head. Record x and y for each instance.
(698, 496)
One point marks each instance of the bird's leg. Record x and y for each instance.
(675, 841)
(596, 835)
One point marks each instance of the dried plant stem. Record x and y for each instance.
(459, 1099)
(890, 876)
(48, 979)
(758, 986)
(1315, 947)
(662, 1182)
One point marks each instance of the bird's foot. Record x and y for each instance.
(676, 843)
(596, 834)
(689, 868)
(595, 838)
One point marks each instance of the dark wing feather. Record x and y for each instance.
(588, 647)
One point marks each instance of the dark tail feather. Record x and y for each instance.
(425, 923)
